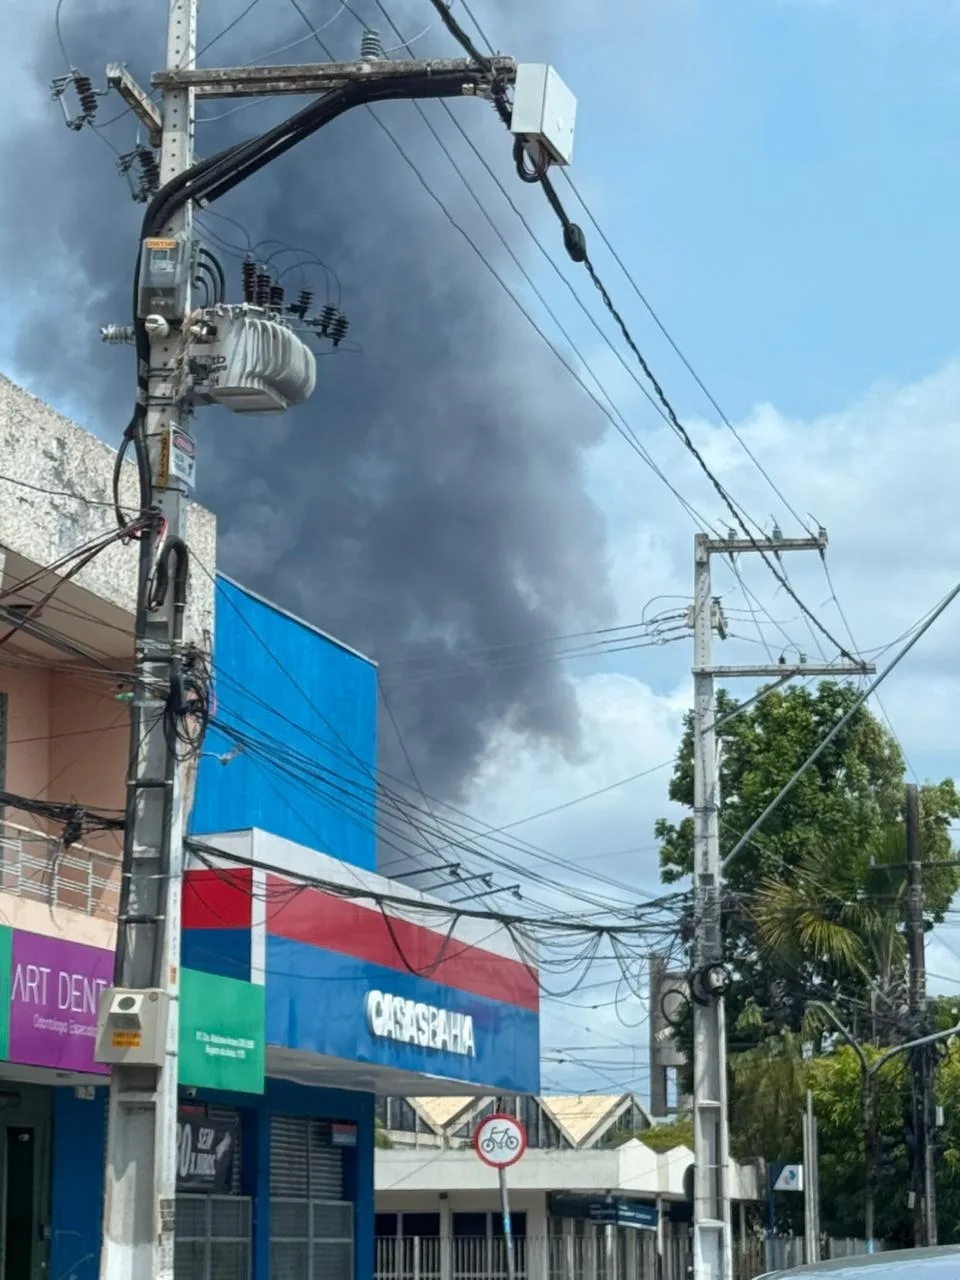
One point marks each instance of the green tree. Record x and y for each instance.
(666, 1136)
(813, 901)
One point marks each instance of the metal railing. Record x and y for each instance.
(35, 865)
(580, 1257)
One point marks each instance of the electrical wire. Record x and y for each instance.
(612, 414)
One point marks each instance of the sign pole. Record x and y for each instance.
(507, 1226)
(500, 1141)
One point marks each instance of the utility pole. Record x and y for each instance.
(141, 1164)
(712, 1238)
(923, 1057)
(138, 1029)
(811, 1184)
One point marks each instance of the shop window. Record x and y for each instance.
(420, 1224)
(385, 1225)
(467, 1225)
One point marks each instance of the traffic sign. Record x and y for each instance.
(500, 1141)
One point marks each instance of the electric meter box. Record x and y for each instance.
(165, 263)
(132, 1027)
(544, 110)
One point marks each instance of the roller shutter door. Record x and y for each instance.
(311, 1226)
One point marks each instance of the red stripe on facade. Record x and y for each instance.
(337, 924)
(218, 899)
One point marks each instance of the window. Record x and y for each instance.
(403, 1118)
(518, 1225)
(420, 1224)
(469, 1225)
(385, 1225)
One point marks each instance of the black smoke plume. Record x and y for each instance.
(429, 501)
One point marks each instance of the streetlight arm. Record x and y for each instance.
(933, 1038)
(851, 1040)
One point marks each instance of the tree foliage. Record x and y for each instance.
(814, 901)
(813, 911)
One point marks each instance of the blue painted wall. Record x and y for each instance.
(76, 1207)
(303, 711)
(77, 1174)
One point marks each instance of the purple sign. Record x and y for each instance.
(54, 996)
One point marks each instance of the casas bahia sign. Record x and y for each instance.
(410, 1022)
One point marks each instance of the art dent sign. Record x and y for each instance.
(392, 1017)
(53, 989)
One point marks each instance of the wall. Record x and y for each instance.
(43, 449)
(301, 703)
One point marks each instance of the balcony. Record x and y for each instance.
(34, 865)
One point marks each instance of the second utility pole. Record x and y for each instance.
(712, 1241)
(922, 1058)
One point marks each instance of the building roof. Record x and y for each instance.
(439, 1112)
(579, 1116)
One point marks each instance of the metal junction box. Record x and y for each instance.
(132, 1027)
(544, 110)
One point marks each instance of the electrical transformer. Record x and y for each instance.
(249, 361)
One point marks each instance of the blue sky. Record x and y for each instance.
(781, 177)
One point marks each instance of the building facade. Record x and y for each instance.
(588, 1200)
(309, 984)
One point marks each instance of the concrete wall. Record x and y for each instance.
(305, 707)
(40, 448)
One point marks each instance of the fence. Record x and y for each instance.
(34, 864)
(630, 1255)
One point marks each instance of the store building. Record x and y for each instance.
(309, 985)
(588, 1200)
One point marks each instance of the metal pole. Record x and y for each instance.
(507, 1227)
(140, 1181)
(917, 1009)
(811, 1185)
(712, 1248)
(868, 1098)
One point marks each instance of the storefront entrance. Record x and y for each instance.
(24, 1180)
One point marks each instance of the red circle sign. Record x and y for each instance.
(500, 1141)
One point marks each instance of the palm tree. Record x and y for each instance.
(834, 921)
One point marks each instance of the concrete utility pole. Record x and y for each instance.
(141, 1161)
(811, 1184)
(923, 1057)
(138, 1029)
(712, 1239)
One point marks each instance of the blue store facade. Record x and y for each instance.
(307, 987)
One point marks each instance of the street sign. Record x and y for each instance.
(610, 1211)
(500, 1141)
(786, 1177)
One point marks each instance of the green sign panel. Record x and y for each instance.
(6, 969)
(222, 1032)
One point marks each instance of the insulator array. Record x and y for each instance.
(326, 319)
(87, 95)
(338, 328)
(149, 171)
(371, 46)
(117, 333)
(249, 277)
(263, 289)
(302, 305)
(276, 297)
